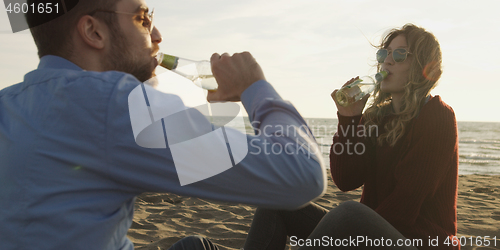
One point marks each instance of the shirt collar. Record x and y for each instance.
(56, 62)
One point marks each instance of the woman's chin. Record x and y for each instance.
(383, 89)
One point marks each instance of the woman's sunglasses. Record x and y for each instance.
(399, 55)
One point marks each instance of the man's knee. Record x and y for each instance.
(350, 212)
(267, 214)
(194, 242)
(353, 206)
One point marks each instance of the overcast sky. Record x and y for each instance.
(309, 48)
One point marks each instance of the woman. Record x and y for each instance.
(408, 166)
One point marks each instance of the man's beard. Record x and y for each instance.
(122, 59)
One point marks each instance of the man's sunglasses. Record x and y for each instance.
(399, 55)
(147, 18)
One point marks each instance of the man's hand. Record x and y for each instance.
(234, 74)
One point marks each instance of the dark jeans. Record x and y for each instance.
(270, 228)
(194, 243)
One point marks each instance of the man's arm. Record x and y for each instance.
(282, 169)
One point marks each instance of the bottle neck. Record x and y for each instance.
(380, 76)
(167, 61)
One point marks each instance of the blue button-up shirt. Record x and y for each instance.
(70, 167)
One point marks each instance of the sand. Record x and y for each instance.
(162, 219)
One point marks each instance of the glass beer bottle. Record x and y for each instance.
(199, 72)
(358, 89)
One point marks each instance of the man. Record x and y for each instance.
(70, 168)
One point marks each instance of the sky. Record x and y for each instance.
(308, 48)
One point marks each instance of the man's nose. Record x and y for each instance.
(156, 35)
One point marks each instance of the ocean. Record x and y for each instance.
(479, 144)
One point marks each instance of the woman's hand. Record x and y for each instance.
(353, 109)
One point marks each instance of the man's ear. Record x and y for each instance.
(92, 31)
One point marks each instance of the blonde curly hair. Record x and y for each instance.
(425, 71)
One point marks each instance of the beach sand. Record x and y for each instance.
(162, 219)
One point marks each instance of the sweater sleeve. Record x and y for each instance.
(351, 153)
(419, 173)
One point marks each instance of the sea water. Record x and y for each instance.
(479, 143)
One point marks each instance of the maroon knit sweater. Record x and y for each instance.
(412, 185)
